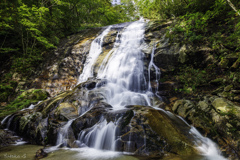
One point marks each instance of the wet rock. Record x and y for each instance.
(40, 154)
(215, 117)
(7, 138)
(66, 111)
(90, 118)
(109, 39)
(153, 127)
(141, 130)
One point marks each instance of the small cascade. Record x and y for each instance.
(95, 51)
(63, 134)
(100, 136)
(9, 121)
(5, 119)
(206, 146)
(157, 73)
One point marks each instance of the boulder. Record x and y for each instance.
(66, 111)
(217, 118)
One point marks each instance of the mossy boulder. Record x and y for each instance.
(7, 138)
(66, 111)
(24, 100)
(217, 118)
(224, 106)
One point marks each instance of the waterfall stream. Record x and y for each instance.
(128, 82)
(123, 68)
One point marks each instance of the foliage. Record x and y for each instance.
(24, 100)
(212, 22)
(191, 78)
(29, 27)
(6, 89)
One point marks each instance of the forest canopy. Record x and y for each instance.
(28, 27)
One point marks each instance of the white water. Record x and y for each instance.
(157, 72)
(95, 51)
(206, 146)
(124, 70)
(63, 134)
(5, 119)
(116, 2)
(100, 136)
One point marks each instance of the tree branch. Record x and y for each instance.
(233, 7)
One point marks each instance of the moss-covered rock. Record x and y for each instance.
(216, 117)
(24, 100)
(66, 111)
(7, 138)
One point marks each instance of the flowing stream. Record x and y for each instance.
(127, 83)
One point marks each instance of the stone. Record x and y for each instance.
(7, 138)
(203, 106)
(40, 154)
(224, 63)
(217, 91)
(66, 111)
(236, 91)
(228, 88)
(236, 98)
(224, 106)
(182, 107)
(182, 54)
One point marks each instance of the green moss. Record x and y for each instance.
(24, 100)
(7, 89)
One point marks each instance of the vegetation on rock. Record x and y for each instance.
(24, 100)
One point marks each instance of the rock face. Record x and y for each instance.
(62, 73)
(24, 100)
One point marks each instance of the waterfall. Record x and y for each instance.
(128, 82)
(123, 69)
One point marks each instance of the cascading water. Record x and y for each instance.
(123, 68)
(95, 51)
(126, 82)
